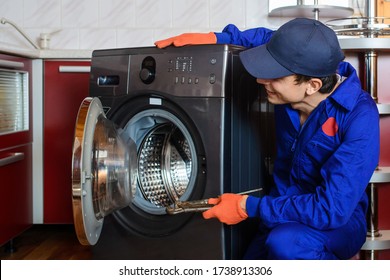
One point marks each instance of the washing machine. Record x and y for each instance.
(162, 126)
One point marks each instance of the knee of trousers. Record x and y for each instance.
(292, 241)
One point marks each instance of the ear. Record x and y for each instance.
(313, 86)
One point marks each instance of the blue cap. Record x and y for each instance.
(301, 46)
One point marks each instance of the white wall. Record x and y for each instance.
(95, 24)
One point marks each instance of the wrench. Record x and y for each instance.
(197, 205)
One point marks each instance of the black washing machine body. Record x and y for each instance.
(192, 124)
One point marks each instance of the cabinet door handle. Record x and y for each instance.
(14, 157)
(11, 64)
(74, 69)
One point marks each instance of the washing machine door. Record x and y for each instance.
(103, 170)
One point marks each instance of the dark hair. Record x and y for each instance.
(328, 82)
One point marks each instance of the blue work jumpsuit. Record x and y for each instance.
(316, 210)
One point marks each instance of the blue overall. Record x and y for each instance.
(316, 210)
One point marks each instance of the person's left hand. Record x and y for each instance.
(228, 208)
(188, 39)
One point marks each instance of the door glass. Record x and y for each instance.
(103, 170)
(110, 169)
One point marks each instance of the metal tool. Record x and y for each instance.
(197, 205)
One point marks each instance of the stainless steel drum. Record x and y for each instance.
(164, 165)
(166, 159)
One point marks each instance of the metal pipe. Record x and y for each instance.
(372, 215)
(5, 21)
(316, 11)
(371, 9)
(371, 16)
(371, 69)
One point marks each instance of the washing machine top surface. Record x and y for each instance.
(171, 49)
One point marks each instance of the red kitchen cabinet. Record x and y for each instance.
(66, 84)
(15, 146)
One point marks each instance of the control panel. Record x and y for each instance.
(185, 71)
(192, 74)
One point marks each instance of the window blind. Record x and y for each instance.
(14, 114)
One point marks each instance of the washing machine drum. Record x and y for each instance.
(149, 164)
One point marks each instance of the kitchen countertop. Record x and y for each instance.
(45, 54)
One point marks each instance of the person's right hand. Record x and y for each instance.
(188, 39)
(229, 208)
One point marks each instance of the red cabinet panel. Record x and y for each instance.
(16, 192)
(384, 160)
(63, 94)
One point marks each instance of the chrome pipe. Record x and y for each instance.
(372, 214)
(371, 9)
(371, 69)
(316, 11)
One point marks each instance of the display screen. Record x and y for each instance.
(183, 64)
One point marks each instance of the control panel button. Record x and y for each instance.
(212, 78)
(146, 75)
(148, 70)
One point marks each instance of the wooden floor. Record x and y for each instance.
(46, 242)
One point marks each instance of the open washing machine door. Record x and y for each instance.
(103, 171)
(139, 169)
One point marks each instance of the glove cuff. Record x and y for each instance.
(240, 211)
(211, 38)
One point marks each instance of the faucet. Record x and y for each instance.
(5, 21)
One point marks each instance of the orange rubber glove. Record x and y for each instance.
(188, 39)
(227, 209)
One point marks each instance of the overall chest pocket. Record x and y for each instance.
(318, 150)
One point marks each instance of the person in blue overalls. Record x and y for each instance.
(327, 133)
